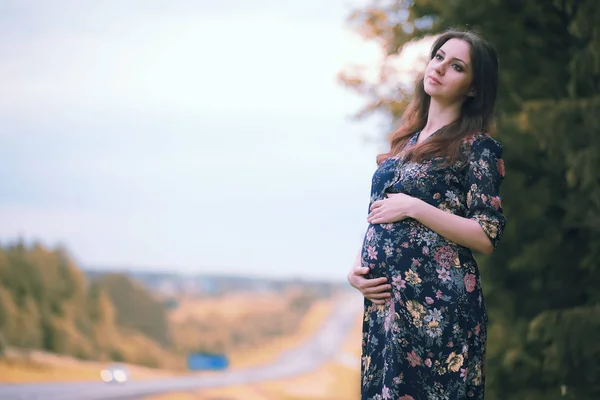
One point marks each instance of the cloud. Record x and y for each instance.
(145, 60)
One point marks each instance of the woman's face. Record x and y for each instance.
(449, 74)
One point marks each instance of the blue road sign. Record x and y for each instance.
(206, 361)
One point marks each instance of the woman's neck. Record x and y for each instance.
(439, 115)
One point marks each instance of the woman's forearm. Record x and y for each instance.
(457, 229)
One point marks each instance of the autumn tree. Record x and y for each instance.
(47, 303)
(135, 307)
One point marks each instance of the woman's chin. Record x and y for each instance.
(433, 92)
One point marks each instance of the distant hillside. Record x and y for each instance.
(215, 285)
(47, 302)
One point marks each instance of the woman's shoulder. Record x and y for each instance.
(482, 142)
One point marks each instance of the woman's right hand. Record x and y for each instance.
(376, 289)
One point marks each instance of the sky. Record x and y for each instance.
(186, 135)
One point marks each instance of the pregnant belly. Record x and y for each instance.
(389, 249)
(386, 247)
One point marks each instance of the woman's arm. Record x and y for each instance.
(464, 231)
(484, 222)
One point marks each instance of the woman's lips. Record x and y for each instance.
(434, 80)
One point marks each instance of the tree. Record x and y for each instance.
(2, 345)
(542, 285)
(135, 307)
(46, 303)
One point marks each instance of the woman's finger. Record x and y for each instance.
(376, 204)
(375, 282)
(358, 270)
(378, 289)
(375, 221)
(379, 296)
(375, 218)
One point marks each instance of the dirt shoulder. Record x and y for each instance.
(336, 380)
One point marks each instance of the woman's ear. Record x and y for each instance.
(471, 93)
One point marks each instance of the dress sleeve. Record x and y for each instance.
(485, 173)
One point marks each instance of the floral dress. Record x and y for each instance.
(428, 341)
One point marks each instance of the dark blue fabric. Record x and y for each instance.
(428, 342)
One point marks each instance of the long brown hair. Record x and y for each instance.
(476, 112)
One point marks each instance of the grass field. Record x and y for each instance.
(44, 367)
(314, 318)
(37, 366)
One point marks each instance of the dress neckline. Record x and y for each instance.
(415, 138)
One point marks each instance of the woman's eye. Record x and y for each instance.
(457, 67)
(438, 57)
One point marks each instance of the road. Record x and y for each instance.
(323, 347)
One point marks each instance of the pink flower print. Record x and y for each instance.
(398, 282)
(429, 300)
(445, 256)
(443, 274)
(413, 359)
(496, 202)
(463, 374)
(425, 250)
(385, 393)
(428, 362)
(477, 329)
(372, 253)
(370, 233)
(469, 280)
(500, 166)
(406, 397)
(438, 294)
(389, 318)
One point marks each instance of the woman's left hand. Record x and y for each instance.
(396, 207)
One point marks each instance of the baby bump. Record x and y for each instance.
(384, 247)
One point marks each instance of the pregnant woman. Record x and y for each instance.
(434, 200)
